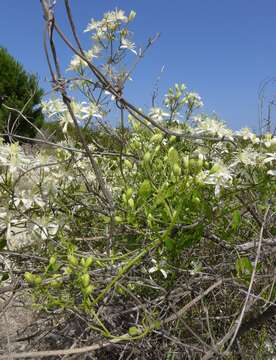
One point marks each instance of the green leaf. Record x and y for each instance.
(173, 157)
(236, 219)
(133, 331)
(244, 267)
(4, 276)
(3, 243)
(28, 277)
(145, 188)
(156, 324)
(85, 280)
(170, 244)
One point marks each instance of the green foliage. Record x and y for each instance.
(244, 268)
(140, 231)
(22, 93)
(236, 219)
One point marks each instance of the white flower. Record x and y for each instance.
(248, 157)
(212, 126)
(127, 44)
(43, 228)
(131, 15)
(53, 107)
(197, 267)
(100, 34)
(65, 120)
(94, 51)
(108, 93)
(93, 25)
(92, 110)
(76, 63)
(271, 172)
(157, 267)
(116, 15)
(220, 176)
(157, 114)
(247, 134)
(78, 108)
(91, 54)
(14, 161)
(24, 199)
(269, 140)
(270, 157)
(194, 99)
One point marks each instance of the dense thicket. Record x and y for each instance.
(20, 91)
(155, 240)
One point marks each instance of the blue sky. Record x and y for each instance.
(222, 49)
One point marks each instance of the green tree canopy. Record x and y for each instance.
(21, 92)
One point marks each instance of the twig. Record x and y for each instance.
(85, 349)
(182, 311)
(251, 281)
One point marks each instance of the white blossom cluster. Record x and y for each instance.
(113, 27)
(30, 186)
(55, 108)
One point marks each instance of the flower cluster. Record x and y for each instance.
(82, 111)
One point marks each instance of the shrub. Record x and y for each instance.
(21, 94)
(159, 244)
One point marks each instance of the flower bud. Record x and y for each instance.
(215, 168)
(186, 162)
(37, 280)
(145, 187)
(53, 260)
(118, 219)
(85, 280)
(172, 156)
(89, 261)
(28, 277)
(196, 199)
(136, 125)
(67, 270)
(131, 203)
(200, 163)
(192, 163)
(156, 138)
(129, 192)
(73, 261)
(131, 15)
(157, 148)
(147, 157)
(176, 170)
(150, 218)
(128, 164)
(172, 139)
(55, 284)
(88, 290)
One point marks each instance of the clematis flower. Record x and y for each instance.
(65, 121)
(220, 175)
(91, 110)
(213, 127)
(158, 267)
(127, 44)
(247, 134)
(158, 114)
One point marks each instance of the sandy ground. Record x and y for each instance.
(15, 322)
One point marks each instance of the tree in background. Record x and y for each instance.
(20, 91)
